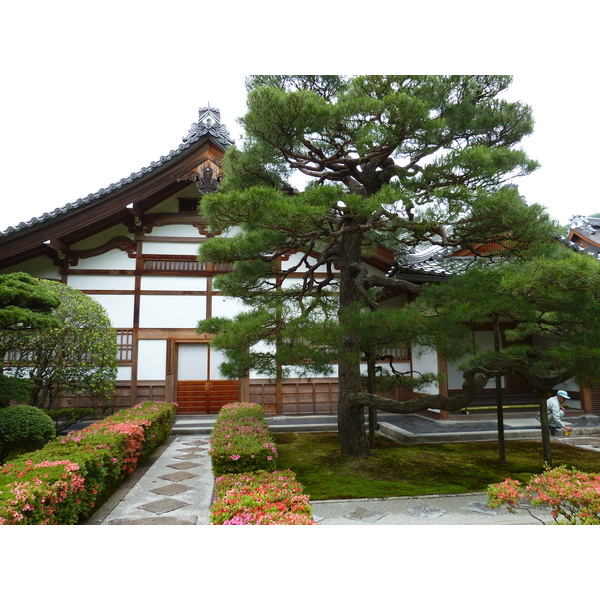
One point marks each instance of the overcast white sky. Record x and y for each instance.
(95, 91)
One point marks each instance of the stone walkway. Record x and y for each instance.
(175, 489)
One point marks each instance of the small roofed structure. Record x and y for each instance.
(585, 232)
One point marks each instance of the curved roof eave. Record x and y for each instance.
(205, 129)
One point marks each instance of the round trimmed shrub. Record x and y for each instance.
(24, 427)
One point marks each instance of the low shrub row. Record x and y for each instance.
(260, 498)
(248, 489)
(65, 481)
(241, 441)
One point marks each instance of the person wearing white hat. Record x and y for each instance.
(556, 414)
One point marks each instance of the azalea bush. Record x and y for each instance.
(572, 496)
(241, 441)
(260, 498)
(94, 462)
(40, 493)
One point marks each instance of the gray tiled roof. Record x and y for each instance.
(438, 263)
(578, 247)
(209, 123)
(431, 261)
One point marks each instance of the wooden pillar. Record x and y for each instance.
(442, 366)
(586, 399)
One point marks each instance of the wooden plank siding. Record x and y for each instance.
(295, 396)
(205, 397)
(595, 397)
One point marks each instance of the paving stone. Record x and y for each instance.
(179, 476)
(184, 465)
(171, 489)
(364, 514)
(188, 456)
(191, 520)
(163, 506)
(481, 507)
(425, 512)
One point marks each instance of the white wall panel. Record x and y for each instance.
(119, 308)
(39, 267)
(192, 362)
(152, 359)
(168, 283)
(172, 311)
(425, 361)
(216, 358)
(123, 373)
(483, 341)
(102, 282)
(182, 230)
(175, 248)
(222, 306)
(114, 259)
(294, 260)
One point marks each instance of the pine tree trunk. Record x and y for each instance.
(351, 417)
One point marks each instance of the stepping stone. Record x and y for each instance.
(198, 443)
(481, 507)
(179, 476)
(191, 520)
(184, 465)
(425, 512)
(364, 514)
(188, 455)
(163, 506)
(171, 490)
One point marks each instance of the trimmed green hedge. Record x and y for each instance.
(241, 441)
(67, 480)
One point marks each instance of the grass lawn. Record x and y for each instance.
(396, 469)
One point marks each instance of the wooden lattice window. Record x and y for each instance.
(188, 205)
(183, 264)
(400, 353)
(125, 346)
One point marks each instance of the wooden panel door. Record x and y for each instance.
(199, 390)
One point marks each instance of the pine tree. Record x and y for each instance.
(393, 161)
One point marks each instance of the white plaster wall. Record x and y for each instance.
(175, 248)
(102, 282)
(483, 341)
(101, 238)
(399, 366)
(113, 259)
(41, 268)
(425, 361)
(262, 346)
(294, 259)
(223, 306)
(123, 373)
(119, 309)
(179, 230)
(171, 204)
(216, 358)
(174, 283)
(172, 311)
(152, 359)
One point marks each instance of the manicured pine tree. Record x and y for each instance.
(393, 161)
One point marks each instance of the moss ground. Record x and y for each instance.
(396, 469)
